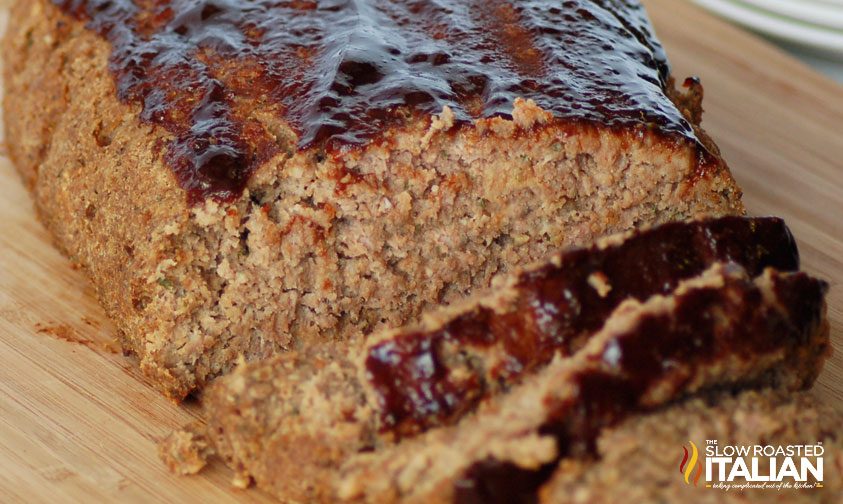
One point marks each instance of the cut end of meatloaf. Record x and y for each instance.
(323, 245)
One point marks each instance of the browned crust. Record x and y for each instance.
(175, 280)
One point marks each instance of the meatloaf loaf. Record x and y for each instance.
(244, 178)
(501, 387)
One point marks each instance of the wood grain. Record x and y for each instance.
(778, 124)
(78, 423)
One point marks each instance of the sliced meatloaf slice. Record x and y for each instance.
(245, 178)
(720, 330)
(637, 461)
(306, 430)
(432, 373)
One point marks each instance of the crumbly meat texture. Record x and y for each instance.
(403, 381)
(638, 461)
(304, 256)
(186, 451)
(290, 440)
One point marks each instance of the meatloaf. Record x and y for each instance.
(501, 387)
(246, 178)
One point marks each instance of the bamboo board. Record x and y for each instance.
(78, 422)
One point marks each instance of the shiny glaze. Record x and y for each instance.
(341, 72)
(424, 379)
(661, 351)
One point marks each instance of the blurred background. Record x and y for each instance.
(811, 30)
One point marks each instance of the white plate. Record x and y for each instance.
(805, 11)
(784, 27)
(825, 2)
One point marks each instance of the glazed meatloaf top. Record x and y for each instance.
(338, 74)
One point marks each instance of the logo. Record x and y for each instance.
(686, 467)
(742, 467)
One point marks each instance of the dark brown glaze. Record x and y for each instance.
(663, 351)
(491, 482)
(423, 379)
(341, 72)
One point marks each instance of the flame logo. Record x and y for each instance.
(686, 467)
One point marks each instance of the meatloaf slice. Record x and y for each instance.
(433, 373)
(244, 178)
(637, 461)
(298, 428)
(720, 330)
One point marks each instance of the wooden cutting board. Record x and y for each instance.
(78, 422)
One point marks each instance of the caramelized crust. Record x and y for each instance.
(341, 73)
